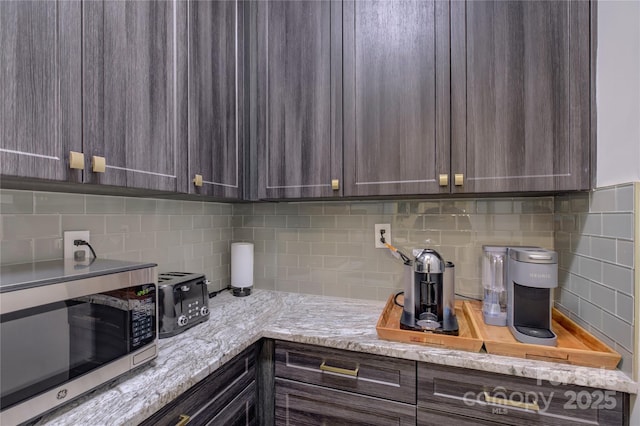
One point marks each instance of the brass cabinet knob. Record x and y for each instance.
(443, 179)
(98, 164)
(76, 160)
(197, 181)
(458, 179)
(335, 184)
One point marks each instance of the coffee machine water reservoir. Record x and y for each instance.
(429, 294)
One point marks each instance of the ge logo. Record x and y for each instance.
(62, 394)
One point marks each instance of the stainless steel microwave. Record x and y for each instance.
(68, 327)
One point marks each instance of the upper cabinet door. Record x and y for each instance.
(216, 92)
(520, 95)
(134, 98)
(298, 115)
(396, 97)
(40, 96)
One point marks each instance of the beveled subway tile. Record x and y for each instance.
(603, 297)
(603, 200)
(242, 209)
(311, 261)
(299, 274)
(311, 287)
(310, 235)
(202, 222)
(287, 261)
(193, 208)
(99, 204)
(205, 250)
(221, 221)
(190, 236)
(534, 205)
(625, 253)
(604, 249)
(167, 238)
(298, 221)
(214, 209)
(458, 207)
(139, 241)
(337, 262)
(253, 221)
(286, 234)
(510, 223)
(624, 198)
(424, 207)
(47, 249)
(287, 209)
(123, 224)
(540, 222)
(180, 222)
(16, 202)
(618, 225)
(263, 209)
(23, 227)
(618, 277)
(324, 249)
(275, 221)
(95, 224)
(349, 222)
(349, 249)
(140, 206)
(360, 236)
(311, 209)
(494, 206)
(590, 313)
(336, 208)
(243, 234)
(324, 275)
(625, 307)
(335, 235)
(366, 208)
(108, 244)
(326, 222)
(154, 223)
(291, 286)
(440, 222)
(298, 247)
(618, 330)
(264, 234)
(336, 290)
(589, 223)
(57, 202)
(16, 251)
(363, 292)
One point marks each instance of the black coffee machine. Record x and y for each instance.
(429, 294)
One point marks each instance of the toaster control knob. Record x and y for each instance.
(204, 310)
(182, 320)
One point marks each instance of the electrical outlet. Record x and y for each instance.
(69, 248)
(387, 234)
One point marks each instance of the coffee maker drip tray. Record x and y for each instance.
(540, 333)
(428, 324)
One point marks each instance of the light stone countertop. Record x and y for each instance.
(236, 323)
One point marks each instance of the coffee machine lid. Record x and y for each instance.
(533, 255)
(428, 260)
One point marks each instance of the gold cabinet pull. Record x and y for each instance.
(184, 419)
(443, 179)
(345, 371)
(76, 160)
(197, 181)
(458, 179)
(98, 164)
(533, 406)
(335, 184)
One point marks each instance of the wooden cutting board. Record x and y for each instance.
(388, 328)
(575, 345)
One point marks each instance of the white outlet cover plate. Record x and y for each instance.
(69, 248)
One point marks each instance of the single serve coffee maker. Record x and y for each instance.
(532, 273)
(429, 294)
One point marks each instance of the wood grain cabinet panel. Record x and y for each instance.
(503, 399)
(40, 91)
(216, 93)
(134, 93)
(302, 404)
(357, 372)
(297, 71)
(520, 87)
(396, 100)
(225, 397)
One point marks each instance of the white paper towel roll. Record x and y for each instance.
(241, 265)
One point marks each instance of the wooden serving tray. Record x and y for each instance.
(388, 328)
(575, 346)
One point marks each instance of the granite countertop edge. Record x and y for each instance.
(237, 323)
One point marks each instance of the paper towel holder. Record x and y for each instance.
(241, 269)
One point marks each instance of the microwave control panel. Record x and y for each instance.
(143, 316)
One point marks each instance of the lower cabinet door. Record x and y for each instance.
(302, 404)
(240, 412)
(436, 418)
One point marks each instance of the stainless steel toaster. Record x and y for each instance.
(183, 301)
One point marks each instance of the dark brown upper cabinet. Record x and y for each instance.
(216, 93)
(520, 96)
(296, 83)
(396, 97)
(40, 95)
(134, 94)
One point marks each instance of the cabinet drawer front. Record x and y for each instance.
(302, 404)
(240, 412)
(516, 400)
(436, 418)
(206, 399)
(367, 374)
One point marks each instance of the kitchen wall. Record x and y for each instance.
(618, 92)
(596, 239)
(328, 247)
(177, 235)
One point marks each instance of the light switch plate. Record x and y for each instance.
(69, 248)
